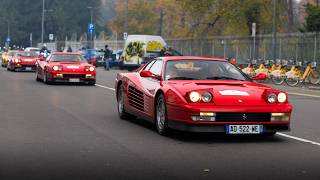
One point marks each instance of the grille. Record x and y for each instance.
(243, 117)
(136, 98)
(74, 75)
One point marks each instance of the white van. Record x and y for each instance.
(140, 49)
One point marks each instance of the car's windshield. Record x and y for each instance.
(26, 54)
(201, 70)
(67, 58)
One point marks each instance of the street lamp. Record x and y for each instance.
(42, 21)
(91, 22)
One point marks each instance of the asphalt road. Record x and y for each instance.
(73, 132)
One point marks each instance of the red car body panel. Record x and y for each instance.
(180, 110)
(69, 70)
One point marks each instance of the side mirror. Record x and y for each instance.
(260, 77)
(146, 73)
(41, 59)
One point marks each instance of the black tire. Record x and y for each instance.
(45, 79)
(120, 105)
(269, 134)
(161, 120)
(91, 83)
(37, 77)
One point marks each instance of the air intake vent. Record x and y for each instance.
(136, 98)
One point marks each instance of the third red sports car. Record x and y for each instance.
(201, 95)
(66, 67)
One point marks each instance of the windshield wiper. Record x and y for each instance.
(223, 78)
(182, 78)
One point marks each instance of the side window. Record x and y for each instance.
(149, 65)
(157, 67)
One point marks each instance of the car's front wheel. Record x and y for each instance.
(120, 103)
(161, 116)
(46, 80)
(37, 76)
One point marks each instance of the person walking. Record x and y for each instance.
(107, 57)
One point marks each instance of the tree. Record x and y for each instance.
(312, 18)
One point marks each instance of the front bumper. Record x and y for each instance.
(221, 128)
(72, 78)
(181, 117)
(22, 67)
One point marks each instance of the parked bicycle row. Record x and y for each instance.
(291, 72)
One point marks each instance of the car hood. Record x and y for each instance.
(226, 93)
(28, 59)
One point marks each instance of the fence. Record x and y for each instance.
(76, 45)
(301, 47)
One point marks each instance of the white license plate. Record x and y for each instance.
(74, 80)
(28, 68)
(244, 129)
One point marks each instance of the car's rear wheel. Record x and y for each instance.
(161, 116)
(120, 102)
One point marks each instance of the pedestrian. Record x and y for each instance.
(232, 60)
(69, 49)
(107, 57)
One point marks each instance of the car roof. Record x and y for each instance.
(66, 53)
(166, 58)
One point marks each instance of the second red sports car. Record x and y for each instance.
(201, 95)
(66, 67)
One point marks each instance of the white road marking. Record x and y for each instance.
(105, 87)
(299, 139)
(302, 94)
(280, 134)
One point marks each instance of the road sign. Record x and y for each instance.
(125, 35)
(8, 39)
(51, 37)
(91, 28)
(253, 29)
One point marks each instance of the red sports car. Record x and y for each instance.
(66, 67)
(23, 61)
(201, 95)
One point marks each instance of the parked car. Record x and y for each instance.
(139, 49)
(201, 95)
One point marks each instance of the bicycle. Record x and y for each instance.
(278, 75)
(249, 70)
(296, 77)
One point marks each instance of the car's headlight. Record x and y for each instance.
(194, 96)
(282, 97)
(206, 97)
(272, 98)
(56, 68)
(91, 68)
(16, 60)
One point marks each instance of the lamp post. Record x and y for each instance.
(8, 36)
(42, 21)
(274, 31)
(91, 22)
